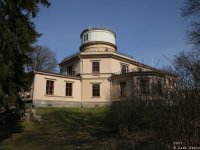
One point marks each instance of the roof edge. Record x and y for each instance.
(57, 75)
(97, 42)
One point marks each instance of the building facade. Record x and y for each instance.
(97, 75)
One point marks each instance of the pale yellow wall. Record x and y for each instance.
(105, 65)
(104, 90)
(102, 79)
(98, 48)
(116, 91)
(116, 65)
(82, 88)
(133, 86)
(115, 94)
(59, 88)
(75, 64)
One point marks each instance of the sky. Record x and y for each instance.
(152, 31)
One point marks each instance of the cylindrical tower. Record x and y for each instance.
(98, 40)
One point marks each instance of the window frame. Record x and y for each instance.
(124, 68)
(159, 87)
(70, 70)
(49, 87)
(96, 90)
(85, 37)
(68, 89)
(144, 87)
(95, 68)
(123, 88)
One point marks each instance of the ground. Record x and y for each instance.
(61, 128)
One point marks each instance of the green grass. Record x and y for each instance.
(62, 128)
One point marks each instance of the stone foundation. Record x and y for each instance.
(48, 103)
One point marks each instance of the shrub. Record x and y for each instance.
(158, 122)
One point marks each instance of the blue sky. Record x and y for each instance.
(146, 29)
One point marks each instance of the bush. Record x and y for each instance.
(159, 124)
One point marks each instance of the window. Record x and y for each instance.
(122, 88)
(124, 69)
(95, 67)
(144, 86)
(85, 37)
(68, 89)
(140, 69)
(70, 70)
(159, 86)
(95, 90)
(49, 87)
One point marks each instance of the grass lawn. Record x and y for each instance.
(61, 128)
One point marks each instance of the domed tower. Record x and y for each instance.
(98, 40)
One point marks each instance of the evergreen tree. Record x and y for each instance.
(17, 34)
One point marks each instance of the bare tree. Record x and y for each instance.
(43, 59)
(192, 9)
(187, 67)
(187, 64)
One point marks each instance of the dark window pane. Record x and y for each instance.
(68, 89)
(85, 37)
(124, 69)
(95, 67)
(70, 70)
(144, 86)
(49, 87)
(96, 90)
(159, 87)
(123, 88)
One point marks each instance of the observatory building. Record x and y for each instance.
(98, 74)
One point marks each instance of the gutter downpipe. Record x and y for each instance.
(81, 81)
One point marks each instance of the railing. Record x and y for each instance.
(69, 73)
(126, 55)
(128, 71)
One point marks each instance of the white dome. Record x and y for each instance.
(98, 35)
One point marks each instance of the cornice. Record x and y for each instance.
(56, 75)
(95, 43)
